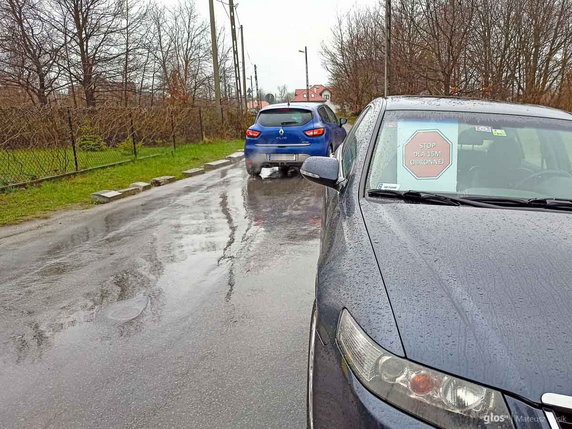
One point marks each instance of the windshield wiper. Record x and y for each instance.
(543, 203)
(551, 203)
(425, 197)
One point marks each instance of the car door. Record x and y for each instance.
(328, 125)
(339, 131)
(346, 155)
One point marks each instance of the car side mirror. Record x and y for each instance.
(343, 121)
(321, 169)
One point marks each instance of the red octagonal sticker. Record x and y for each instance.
(427, 154)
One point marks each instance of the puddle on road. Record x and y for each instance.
(113, 269)
(124, 311)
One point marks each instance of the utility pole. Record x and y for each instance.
(387, 80)
(243, 71)
(251, 90)
(305, 52)
(126, 62)
(225, 86)
(257, 93)
(214, 48)
(235, 54)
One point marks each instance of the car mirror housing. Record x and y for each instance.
(321, 169)
(343, 121)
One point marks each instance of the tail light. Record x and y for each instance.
(252, 133)
(316, 132)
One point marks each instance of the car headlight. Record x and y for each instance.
(437, 398)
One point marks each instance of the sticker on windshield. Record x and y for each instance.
(390, 186)
(427, 155)
(501, 133)
(483, 129)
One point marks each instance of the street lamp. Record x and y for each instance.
(305, 52)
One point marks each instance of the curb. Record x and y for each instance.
(235, 157)
(143, 186)
(106, 196)
(194, 172)
(163, 180)
(217, 164)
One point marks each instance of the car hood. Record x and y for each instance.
(485, 294)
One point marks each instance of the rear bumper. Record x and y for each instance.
(262, 160)
(261, 154)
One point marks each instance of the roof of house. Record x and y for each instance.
(315, 94)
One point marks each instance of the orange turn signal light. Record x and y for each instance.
(422, 383)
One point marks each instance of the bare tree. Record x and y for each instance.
(182, 52)
(283, 94)
(91, 29)
(502, 49)
(354, 59)
(28, 52)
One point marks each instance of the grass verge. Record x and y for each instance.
(37, 201)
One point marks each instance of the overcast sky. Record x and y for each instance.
(274, 31)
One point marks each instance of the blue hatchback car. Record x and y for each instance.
(284, 135)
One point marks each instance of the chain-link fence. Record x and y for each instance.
(39, 143)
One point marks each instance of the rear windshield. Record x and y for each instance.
(285, 117)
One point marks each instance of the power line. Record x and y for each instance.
(240, 24)
(236, 15)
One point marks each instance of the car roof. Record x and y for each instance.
(461, 104)
(309, 106)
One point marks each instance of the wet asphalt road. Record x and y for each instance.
(185, 306)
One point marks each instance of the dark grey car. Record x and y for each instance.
(444, 285)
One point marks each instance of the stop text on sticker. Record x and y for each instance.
(427, 152)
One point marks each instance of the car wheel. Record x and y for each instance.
(253, 171)
(310, 372)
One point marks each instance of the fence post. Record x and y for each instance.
(132, 132)
(173, 131)
(201, 124)
(72, 138)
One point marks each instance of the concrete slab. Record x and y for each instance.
(130, 191)
(235, 157)
(106, 196)
(143, 186)
(217, 164)
(163, 180)
(193, 172)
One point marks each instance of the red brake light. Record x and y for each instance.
(315, 132)
(252, 133)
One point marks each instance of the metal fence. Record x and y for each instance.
(41, 143)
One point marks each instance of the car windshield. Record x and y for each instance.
(473, 154)
(285, 117)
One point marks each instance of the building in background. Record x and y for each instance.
(318, 94)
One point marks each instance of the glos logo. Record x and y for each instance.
(494, 418)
